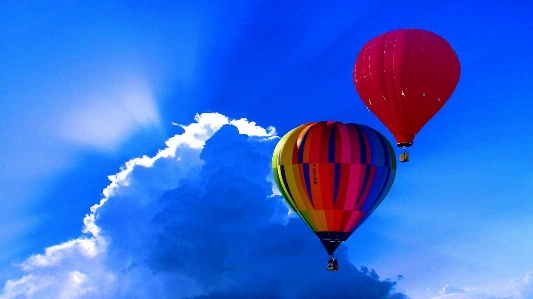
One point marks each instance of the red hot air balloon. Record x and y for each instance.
(404, 77)
(334, 175)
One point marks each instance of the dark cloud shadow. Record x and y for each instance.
(219, 232)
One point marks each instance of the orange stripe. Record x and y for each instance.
(330, 219)
(286, 153)
(320, 217)
(303, 144)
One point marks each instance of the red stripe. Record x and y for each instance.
(343, 187)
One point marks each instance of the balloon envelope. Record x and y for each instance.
(404, 77)
(333, 175)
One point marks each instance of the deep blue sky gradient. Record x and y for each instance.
(85, 87)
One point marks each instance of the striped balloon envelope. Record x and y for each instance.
(334, 175)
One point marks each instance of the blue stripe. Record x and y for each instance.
(386, 158)
(331, 145)
(337, 182)
(369, 133)
(284, 178)
(365, 182)
(362, 145)
(361, 221)
(377, 185)
(384, 189)
(307, 180)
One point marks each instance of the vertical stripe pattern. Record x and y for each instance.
(333, 174)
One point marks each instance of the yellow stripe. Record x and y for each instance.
(287, 149)
(306, 216)
(285, 194)
(283, 155)
(292, 174)
(296, 184)
(320, 220)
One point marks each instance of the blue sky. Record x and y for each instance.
(88, 97)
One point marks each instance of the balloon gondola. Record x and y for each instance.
(334, 175)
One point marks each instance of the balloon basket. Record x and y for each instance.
(404, 156)
(333, 265)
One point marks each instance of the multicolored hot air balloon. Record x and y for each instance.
(404, 77)
(334, 175)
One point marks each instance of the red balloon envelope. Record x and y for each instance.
(404, 77)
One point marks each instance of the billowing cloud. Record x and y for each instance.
(197, 220)
(452, 292)
(515, 289)
(251, 128)
(449, 292)
(75, 269)
(523, 288)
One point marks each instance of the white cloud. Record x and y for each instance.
(522, 288)
(69, 270)
(153, 233)
(84, 268)
(96, 112)
(515, 289)
(449, 289)
(193, 138)
(451, 292)
(252, 129)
